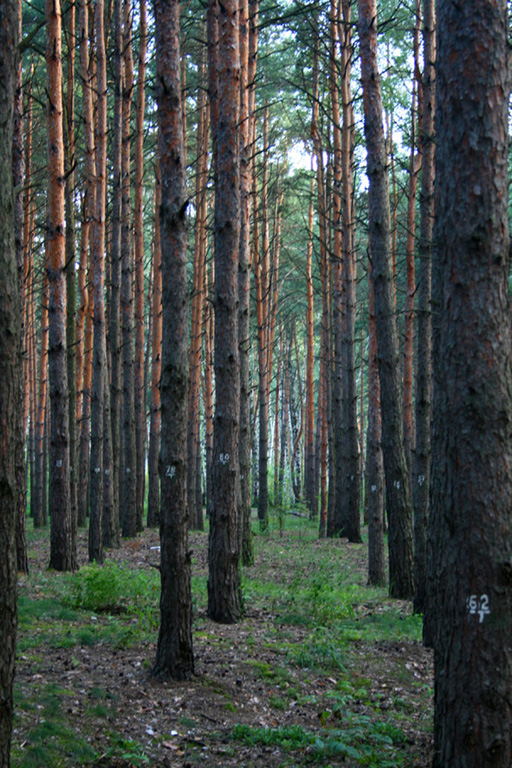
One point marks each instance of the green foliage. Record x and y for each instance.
(112, 589)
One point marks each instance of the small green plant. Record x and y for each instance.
(286, 737)
(127, 749)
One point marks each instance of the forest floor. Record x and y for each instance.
(322, 670)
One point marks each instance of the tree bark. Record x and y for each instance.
(61, 556)
(401, 582)
(10, 353)
(470, 525)
(224, 593)
(174, 657)
(128, 470)
(421, 454)
(156, 369)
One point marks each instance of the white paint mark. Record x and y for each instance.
(107, 472)
(58, 463)
(128, 470)
(478, 605)
(170, 471)
(421, 479)
(373, 488)
(224, 458)
(97, 470)
(397, 484)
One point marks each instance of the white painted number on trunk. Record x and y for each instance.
(224, 458)
(478, 605)
(170, 471)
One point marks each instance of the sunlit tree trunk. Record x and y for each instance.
(397, 487)
(224, 594)
(61, 555)
(174, 658)
(244, 279)
(196, 511)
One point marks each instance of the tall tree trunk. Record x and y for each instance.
(18, 168)
(174, 657)
(421, 455)
(115, 262)
(156, 368)
(61, 556)
(470, 529)
(244, 281)
(138, 230)
(99, 381)
(376, 560)
(262, 275)
(37, 499)
(414, 169)
(10, 351)
(224, 593)
(69, 163)
(351, 494)
(309, 444)
(397, 486)
(195, 510)
(128, 472)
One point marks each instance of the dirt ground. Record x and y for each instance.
(183, 725)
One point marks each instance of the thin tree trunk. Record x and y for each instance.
(156, 369)
(69, 163)
(99, 381)
(421, 455)
(128, 473)
(376, 560)
(18, 168)
(244, 279)
(351, 493)
(138, 230)
(397, 487)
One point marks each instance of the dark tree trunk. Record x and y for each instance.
(174, 656)
(18, 168)
(224, 594)
(351, 491)
(115, 262)
(401, 582)
(128, 471)
(69, 162)
(421, 454)
(99, 380)
(376, 561)
(156, 370)
(61, 555)
(470, 533)
(10, 354)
